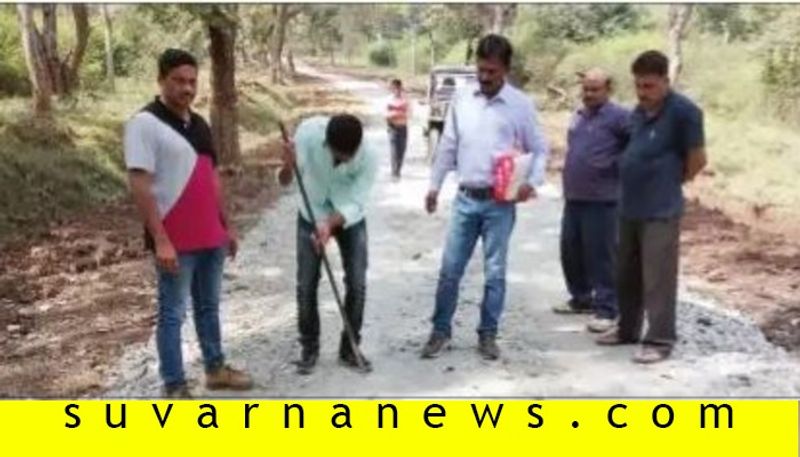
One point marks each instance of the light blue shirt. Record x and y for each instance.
(477, 129)
(344, 188)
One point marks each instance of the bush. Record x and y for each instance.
(614, 55)
(781, 76)
(586, 23)
(553, 41)
(13, 72)
(423, 55)
(93, 68)
(383, 55)
(455, 55)
(536, 57)
(13, 81)
(143, 32)
(520, 75)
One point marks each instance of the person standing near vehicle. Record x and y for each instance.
(397, 116)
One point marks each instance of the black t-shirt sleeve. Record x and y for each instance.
(205, 140)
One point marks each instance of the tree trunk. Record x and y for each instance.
(413, 51)
(726, 32)
(72, 62)
(265, 60)
(289, 52)
(36, 61)
(63, 74)
(679, 16)
(109, 41)
(50, 47)
(281, 16)
(509, 16)
(265, 45)
(242, 48)
(433, 49)
(497, 17)
(224, 113)
(290, 63)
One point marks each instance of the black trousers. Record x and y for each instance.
(353, 247)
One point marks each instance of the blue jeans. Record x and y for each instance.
(588, 252)
(199, 278)
(472, 219)
(353, 247)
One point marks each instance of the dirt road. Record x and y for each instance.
(719, 354)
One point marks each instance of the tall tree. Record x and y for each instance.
(49, 72)
(497, 17)
(222, 22)
(583, 23)
(36, 61)
(109, 47)
(283, 13)
(448, 24)
(50, 41)
(323, 28)
(73, 59)
(679, 15)
(257, 29)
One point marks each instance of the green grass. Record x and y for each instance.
(726, 78)
(258, 113)
(755, 162)
(50, 170)
(257, 117)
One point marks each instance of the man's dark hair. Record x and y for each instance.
(344, 133)
(651, 63)
(495, 46)
(174, 58)
(397, 83)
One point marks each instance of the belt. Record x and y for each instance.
(477, 193)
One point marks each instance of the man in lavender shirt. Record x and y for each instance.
(482, 122)
(598, 134)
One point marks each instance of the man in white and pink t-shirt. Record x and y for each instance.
(171, 165)
(398, 113)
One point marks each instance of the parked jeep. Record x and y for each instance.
(442, 85)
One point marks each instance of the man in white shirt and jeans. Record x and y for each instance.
(482, 123)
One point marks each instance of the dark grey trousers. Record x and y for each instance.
(398, 139)
(647, 279)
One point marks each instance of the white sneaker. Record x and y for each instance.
(600, 325)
